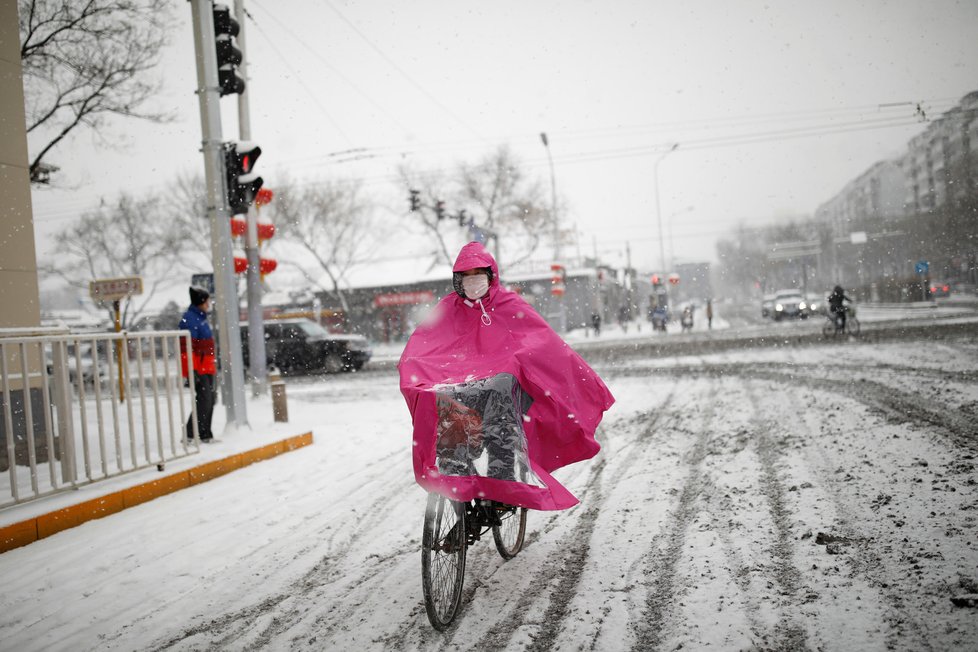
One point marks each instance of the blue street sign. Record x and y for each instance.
(921, 267)
(205, 281)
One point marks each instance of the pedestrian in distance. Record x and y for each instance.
(709, 314)
(204, 362)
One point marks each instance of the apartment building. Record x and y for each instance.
(879, 193)
(941, 163)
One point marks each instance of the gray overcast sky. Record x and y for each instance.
(613, 83)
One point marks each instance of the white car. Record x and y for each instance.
(791, 305)
(817, 304)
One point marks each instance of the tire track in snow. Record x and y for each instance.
(904, 631)
(667, 548)
(788, 635)
(240, 624)
(569, 566)
(893, 403)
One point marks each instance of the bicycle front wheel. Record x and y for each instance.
(828, 328)
(443, 544)
(509, 534)
(852, 326)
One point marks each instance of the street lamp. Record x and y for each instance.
(658, 209)
(672, 248)
(553, 197)
(561, 317)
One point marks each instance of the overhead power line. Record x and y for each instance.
(333, 69)
(298, 78)
(393, 64)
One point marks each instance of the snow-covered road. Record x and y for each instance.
(817, 497)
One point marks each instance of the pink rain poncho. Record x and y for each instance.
(498, 399)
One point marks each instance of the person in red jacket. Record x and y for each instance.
(204, 361)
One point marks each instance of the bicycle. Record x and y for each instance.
(834, 325)
(450, 527)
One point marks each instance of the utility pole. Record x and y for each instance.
(561, 307)
(658, 209)
(256, 326)
(629, 279)
(226, 301)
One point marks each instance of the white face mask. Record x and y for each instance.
(475, 286)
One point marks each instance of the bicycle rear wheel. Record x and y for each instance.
(509, 534)
(443, 544)
(852, 326)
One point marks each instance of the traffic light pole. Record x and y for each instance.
(226, 300)
(256, 326)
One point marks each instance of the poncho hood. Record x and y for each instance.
(474, 256)
(464, 345)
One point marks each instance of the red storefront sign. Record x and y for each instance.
(403, 298)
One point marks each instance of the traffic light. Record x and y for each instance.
(462, 218)
(242, 184)
(415, 200)
(228, 56)
(656, 280)
(440, 210)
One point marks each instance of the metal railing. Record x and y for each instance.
(80, 408)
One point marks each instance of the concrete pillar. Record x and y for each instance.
(19, 295)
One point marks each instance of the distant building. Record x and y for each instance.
(878, 193)
(388, 311)
(941, 164)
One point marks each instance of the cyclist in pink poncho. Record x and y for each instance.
(498, 399)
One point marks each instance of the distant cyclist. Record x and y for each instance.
(836, 306)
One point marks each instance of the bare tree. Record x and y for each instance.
(496, 194)
(130, 238)
(331, 223)
(186, 207)
(84, 61)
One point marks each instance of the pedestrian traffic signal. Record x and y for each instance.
(242, 183)
(440, 210)
(415, 200)
(228, 56)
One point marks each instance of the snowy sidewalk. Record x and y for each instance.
(233, 449)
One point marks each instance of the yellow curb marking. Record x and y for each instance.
(29, 531)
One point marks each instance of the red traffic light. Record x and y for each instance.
(655, 279)
(243, 184)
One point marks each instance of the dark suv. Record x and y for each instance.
(303, 346)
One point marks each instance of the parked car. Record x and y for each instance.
(88, 369)
(790, 304)
(303, 346)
